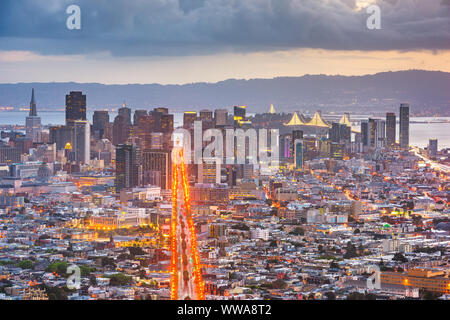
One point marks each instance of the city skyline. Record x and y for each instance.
(273, 189)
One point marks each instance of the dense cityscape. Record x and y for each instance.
(339, 202)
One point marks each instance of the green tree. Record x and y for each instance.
(400, 257)
(25, 264)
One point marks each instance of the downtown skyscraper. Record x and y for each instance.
(75, 106)
(33, 122)
(390, 129)
(404, 126)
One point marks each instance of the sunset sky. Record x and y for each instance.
(182, 41)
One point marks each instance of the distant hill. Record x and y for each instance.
(426, 91)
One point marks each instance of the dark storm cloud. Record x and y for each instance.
(184, 27)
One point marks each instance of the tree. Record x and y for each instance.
(400, 258)
(298, 231)
(350, 251)
(119, 279)
(25, 264)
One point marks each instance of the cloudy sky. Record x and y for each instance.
(182, 41)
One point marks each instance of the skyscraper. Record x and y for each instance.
(221, 117)
(298, 155)
(377, 133)
(189, 118)
(206, 115)
(138, 114)
(126, 113)
(33, 122)
(81, 141)
(432, 148)
(75, 106)
(156, 166)
(127, 166)
(100, 120)
(121, 129)
(404, 126)
(390, 129)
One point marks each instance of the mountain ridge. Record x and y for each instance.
(422, 89)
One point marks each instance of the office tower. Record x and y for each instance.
(221, 117)
(61, 135)
(340, 133)
(9, 154)
(81, 141)
(100, 121)
(432, 148)
(390, 129)
(336, 150)
(189, 118)
(404, 126)
(126, 113)
(297, 134)
(286, 146)
(121, 130)
(157, 140)
(162, 120)
(377, 133)
(75, 106)
(365, 134)
(138, 114)
(33, 122)
(161, 110)
(298, 155)
(239, 111)
(334, 132)
(156, 168)
(209, 172)
(206, 115)
(127, 166)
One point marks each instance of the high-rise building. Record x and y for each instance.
(209, 172)
(61, 135)
(206, 115)
(163, 121)
(156, 168)
(126, 113)
(33, 122)
(365, 134)
(100, 121)
(286, 146)
(81, 141)
(336, 151)
(221, 117)
(377, 133)
(298, 158)
(189, 118)
(127, 166)
(390, 129)
(404, 126)
(432, 148)
(121, 130)
(75, 106)
(138, 114)
(340, 133)
(239, 115)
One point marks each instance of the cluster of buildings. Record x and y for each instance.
(345, 200)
